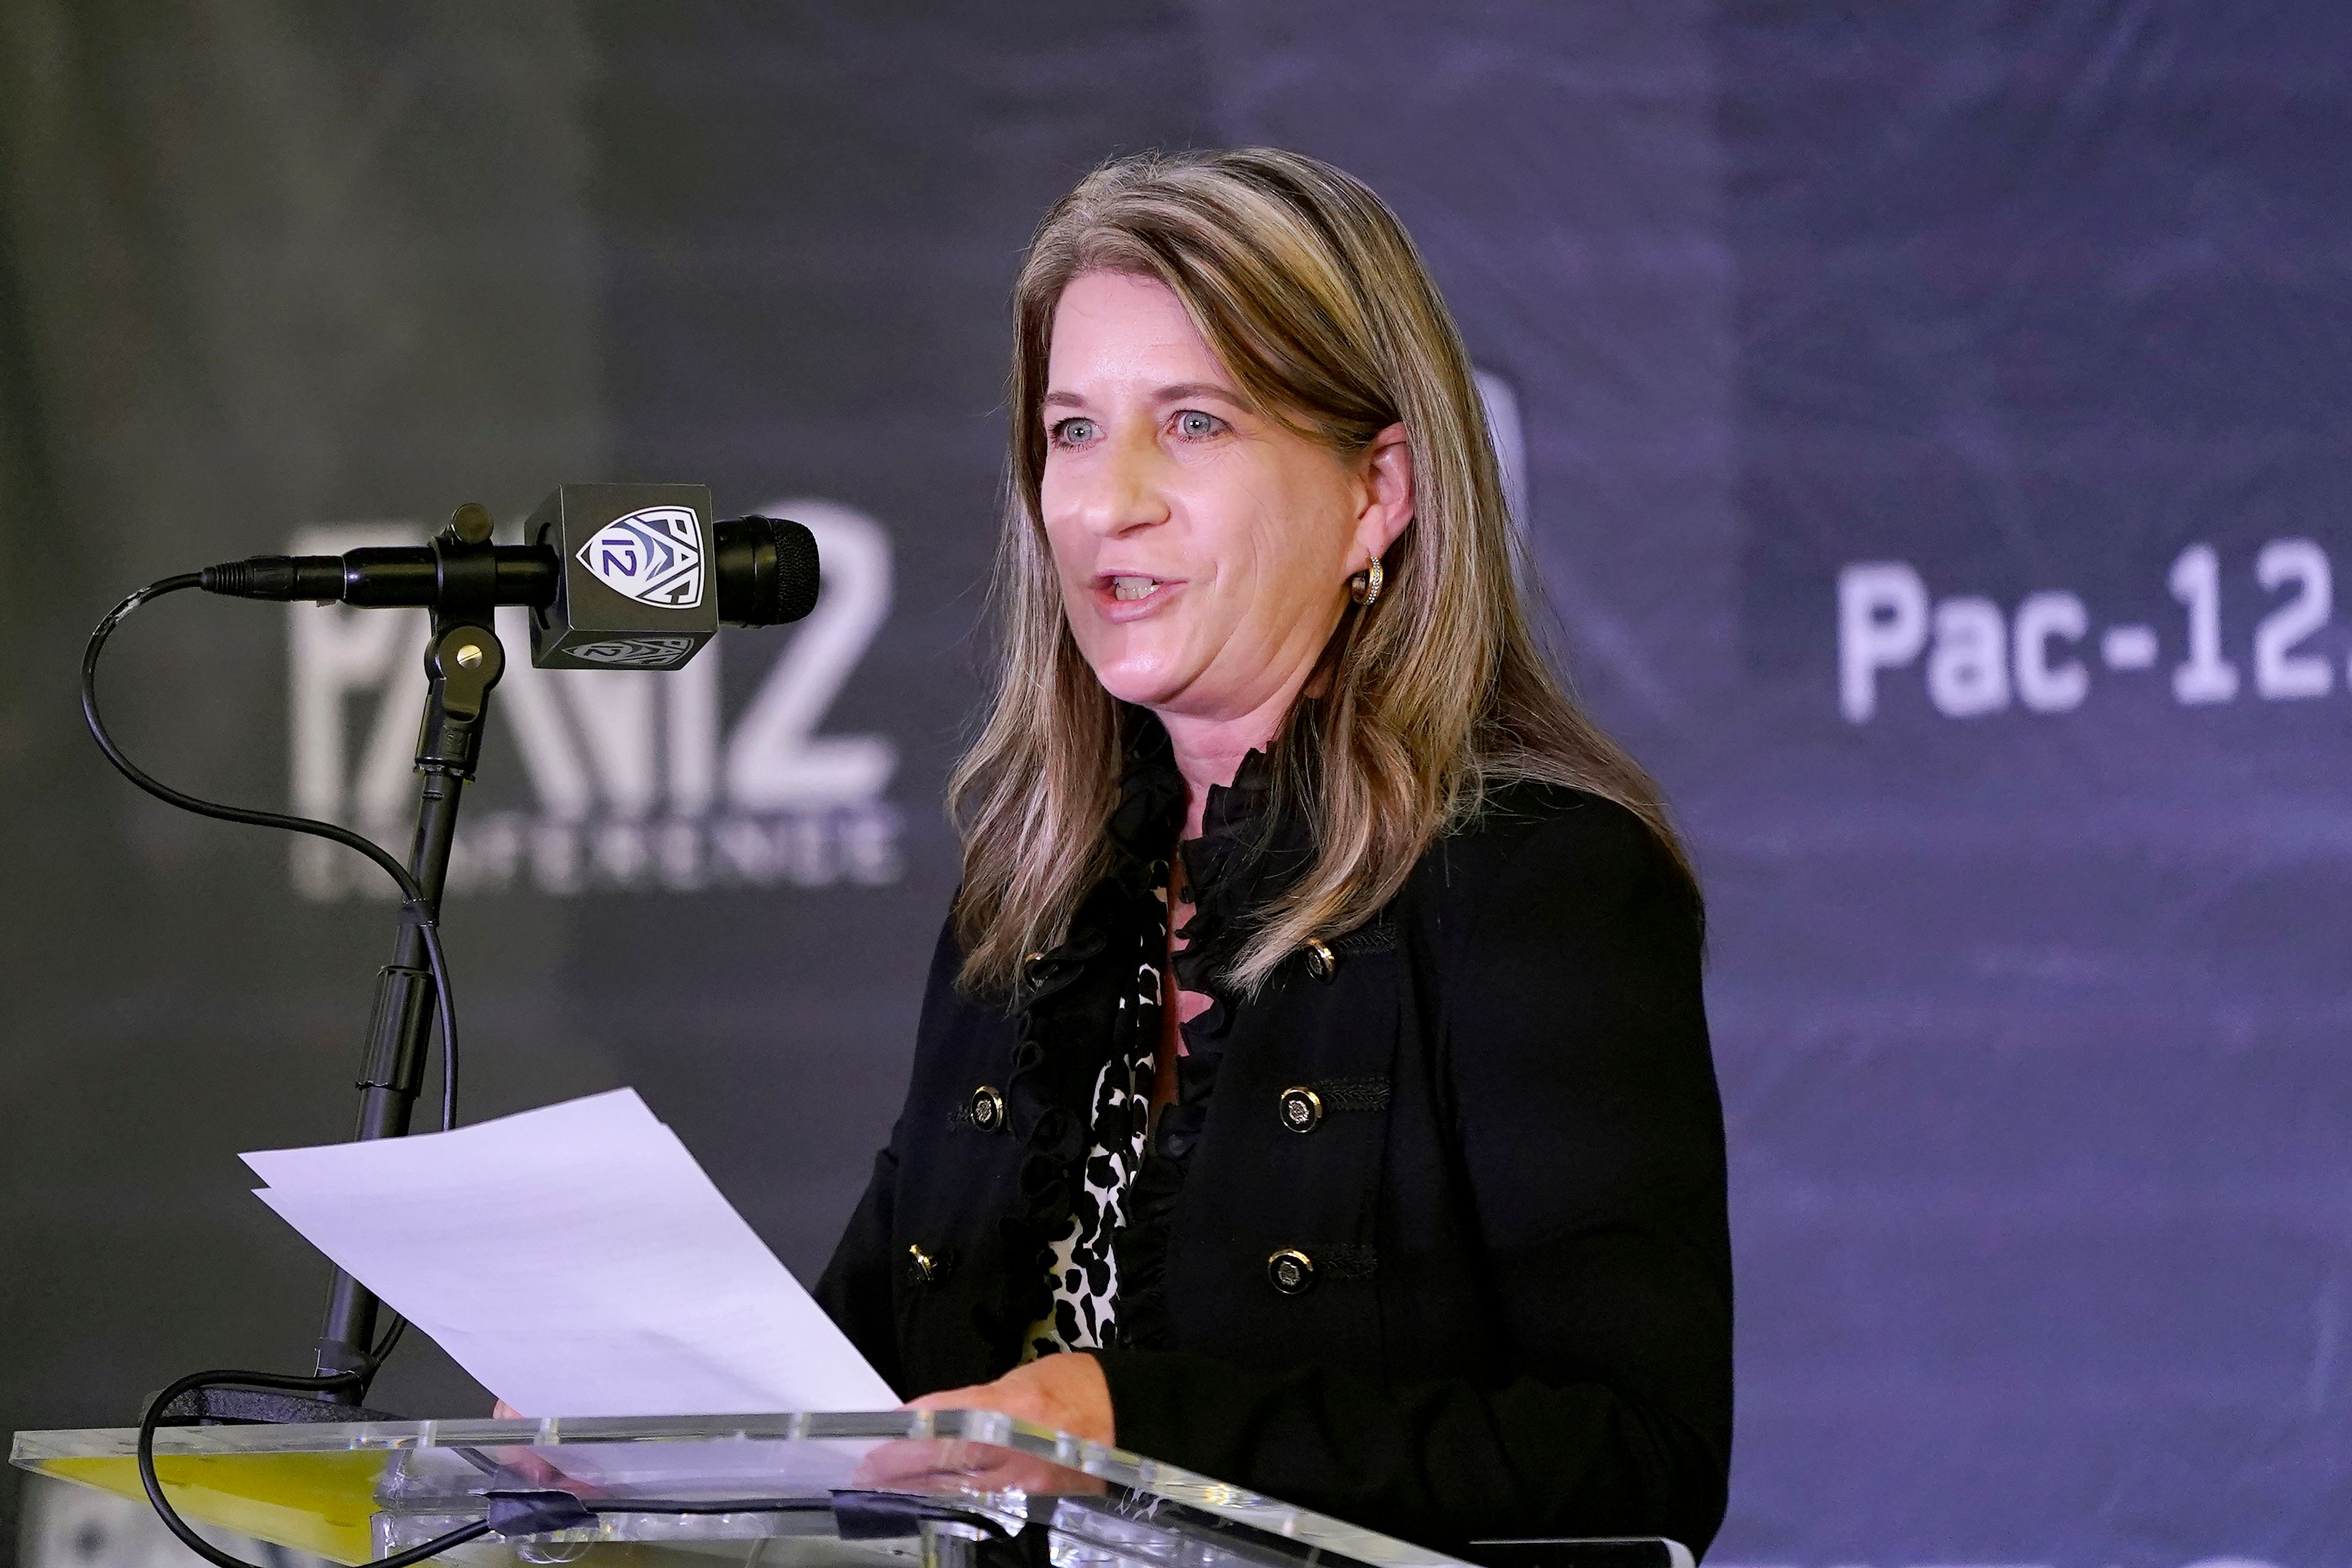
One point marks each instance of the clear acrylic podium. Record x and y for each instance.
(890, 1489)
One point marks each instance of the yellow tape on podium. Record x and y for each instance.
(319, 1503)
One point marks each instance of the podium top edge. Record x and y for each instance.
(53, 1452)
(318, 1436)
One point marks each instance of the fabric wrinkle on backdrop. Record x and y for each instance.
(1932, 425)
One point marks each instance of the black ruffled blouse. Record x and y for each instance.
(1432, 1237)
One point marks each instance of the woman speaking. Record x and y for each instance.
(1312, 1087)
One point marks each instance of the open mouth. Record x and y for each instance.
(1125, 593)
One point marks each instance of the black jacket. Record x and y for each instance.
(1508, 1312)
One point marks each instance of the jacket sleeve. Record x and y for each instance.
(855, 1290)
(1591, 1140)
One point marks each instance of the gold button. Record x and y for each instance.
(987, 1108)
(920, 1269)
(1302, 1108)
(1320, 962)
(1291, 1271)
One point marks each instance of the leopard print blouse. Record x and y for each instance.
(1086, 1277)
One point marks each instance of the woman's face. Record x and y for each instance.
(1204, 550)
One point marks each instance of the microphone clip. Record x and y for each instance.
(465, 659)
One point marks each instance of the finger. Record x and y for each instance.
(1012, 1471)
(968, 1398)
(1021, 1403)
(903, 1459)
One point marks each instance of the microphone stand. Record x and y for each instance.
(462, 663)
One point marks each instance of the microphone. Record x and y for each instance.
(615, 576)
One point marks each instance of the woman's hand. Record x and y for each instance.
(1064, 1392)
(528, 1463)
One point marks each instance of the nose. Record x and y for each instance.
(1120, 491)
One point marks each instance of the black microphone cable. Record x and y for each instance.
(412, 900)
(411, 895)
(228, 1379)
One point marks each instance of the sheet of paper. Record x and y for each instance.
(577, 1261)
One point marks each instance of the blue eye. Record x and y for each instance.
(1073, 432)
(1193, 423)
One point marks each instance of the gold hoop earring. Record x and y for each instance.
(1365, 585)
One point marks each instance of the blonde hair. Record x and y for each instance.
(1307, 289)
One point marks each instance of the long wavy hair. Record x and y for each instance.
(1310, 292)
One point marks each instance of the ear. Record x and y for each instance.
(1385, 468)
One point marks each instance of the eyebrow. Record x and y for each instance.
(1180, 390)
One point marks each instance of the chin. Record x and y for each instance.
(1147, 683)
(1151, 663)
(1143, 693)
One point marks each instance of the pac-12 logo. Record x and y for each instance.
(622, 653)
(653, 556)
(612, 778)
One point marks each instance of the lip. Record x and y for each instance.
(1111, 607)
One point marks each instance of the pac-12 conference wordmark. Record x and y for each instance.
(1977, 657)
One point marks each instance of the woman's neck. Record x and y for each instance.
(1209, 751)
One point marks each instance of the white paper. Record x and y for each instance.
(577, 1261)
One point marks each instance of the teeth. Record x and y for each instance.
(1131, 587)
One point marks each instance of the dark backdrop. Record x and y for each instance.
(1933, 422)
